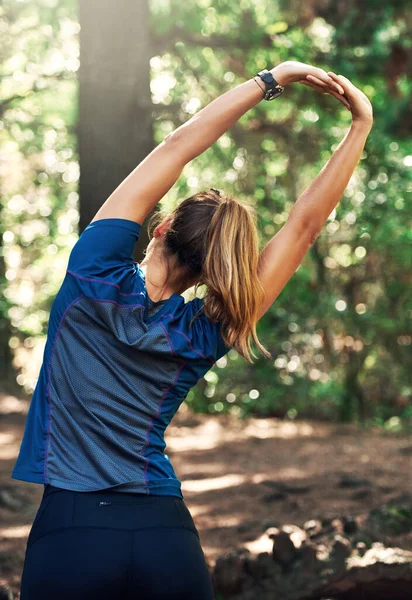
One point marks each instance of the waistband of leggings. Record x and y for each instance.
(51, 489)
(67, 509)
(109, 496)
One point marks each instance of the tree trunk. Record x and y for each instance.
(353, 390)
(115, 129)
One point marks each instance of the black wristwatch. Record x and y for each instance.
(273, 88)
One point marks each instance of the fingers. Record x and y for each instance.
(326, 90)
(344, 81)
(320, 82)
(327, 87)
(336, 77)
(351, 91)
(315, 86)
(326, 79)
(341, 99)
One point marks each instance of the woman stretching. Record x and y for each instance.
(124, 349)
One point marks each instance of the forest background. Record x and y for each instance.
(340, 331)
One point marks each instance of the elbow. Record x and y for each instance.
(181, 147)
(173, 137)
(313, 234)
(313, 229)
(309, 228)
(168, 138)
(173, 145)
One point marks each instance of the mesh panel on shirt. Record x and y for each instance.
(105, 390)
(153, 309)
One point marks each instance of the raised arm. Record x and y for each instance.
(283, 254)
(146, 185)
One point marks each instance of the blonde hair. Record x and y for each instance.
(214, 238)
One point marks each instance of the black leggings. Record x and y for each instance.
(110, 545)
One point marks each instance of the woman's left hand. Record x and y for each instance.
(324, 88)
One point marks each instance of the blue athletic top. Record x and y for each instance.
(116, 368)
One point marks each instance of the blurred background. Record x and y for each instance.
(86, 92)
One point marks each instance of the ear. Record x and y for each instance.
(157, 231)
(162, 228)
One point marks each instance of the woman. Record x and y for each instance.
(124, 349)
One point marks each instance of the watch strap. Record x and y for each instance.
(273, 88)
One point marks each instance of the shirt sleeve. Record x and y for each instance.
(104, 250)
(220, 348)
(211, 335)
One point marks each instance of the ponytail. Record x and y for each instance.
(214, 240)
(235, 292)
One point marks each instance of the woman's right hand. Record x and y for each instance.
(292, 71)
(359, 103)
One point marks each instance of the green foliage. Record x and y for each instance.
(339, 332)
(392, 518)
(39, 59)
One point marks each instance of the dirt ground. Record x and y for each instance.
(229, 469)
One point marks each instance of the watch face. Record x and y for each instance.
(267, 77)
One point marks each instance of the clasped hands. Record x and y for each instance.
(327, 82)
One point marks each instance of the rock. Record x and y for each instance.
(284, 551)
(313, 527)
(308, 556)
(296, 534)
(262, 566)
(5, 592)
(341, 549)
(381, 574)
(272, 531)
(228, 574)
(347, 480)
(361, 548)
(349, 525)
(336, 525)
(330, 566)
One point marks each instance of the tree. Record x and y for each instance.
(115, 128)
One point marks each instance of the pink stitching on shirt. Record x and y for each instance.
(158, 413)
(114, 302)
(103, 281)
(190, 343)
(168, 338)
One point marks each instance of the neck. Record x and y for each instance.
(154, 276)
(155, 270)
